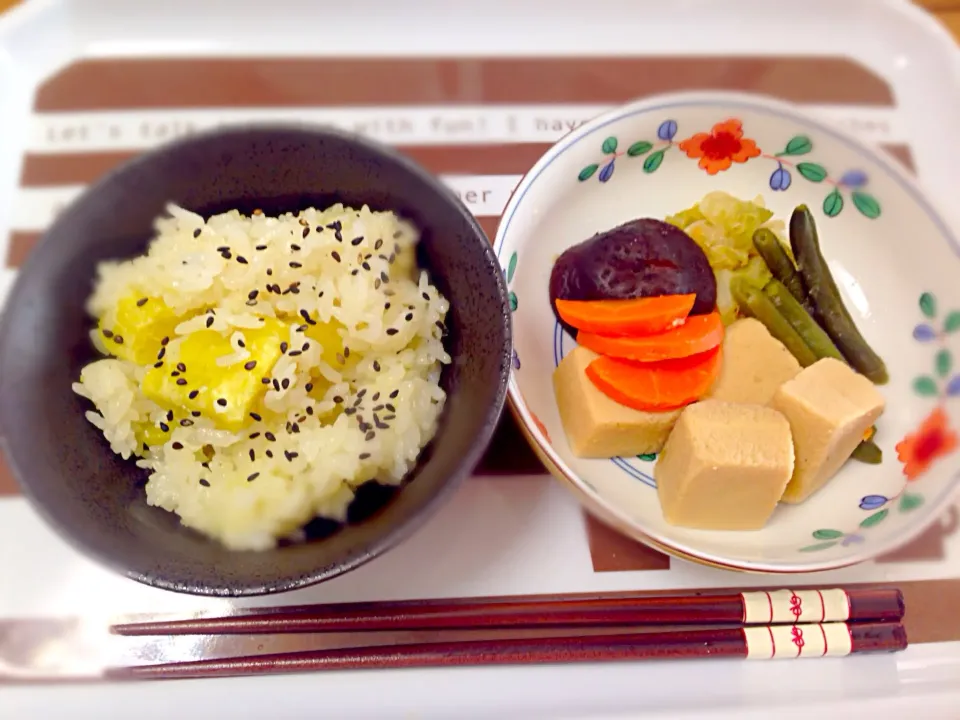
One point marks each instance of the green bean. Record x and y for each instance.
(823, 292)
(757, 305)
(780, 264)
(868, 452)
(812, 334)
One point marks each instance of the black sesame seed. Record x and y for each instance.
(295, 265)
(269, 271)
(308, 387)
(391, 259)
(254, 435)
(306, 231)
(221, 402)
(294, 353)
(379, 423)
(337, 399)
(256, 417)
(319, 229)
(335, 225)
(241, 343)
(265, 380)
(270, 436)
(408, 317)
(164, 342)
(226, 255)
(354, 272)
(196, 233)
(364, 456)
(309, 410)
(195, 413)
(290, 455)
(260, 247)
(362, 392)
(252, 454)
(366, 266)
(253, 294)
(285, 383)
(378, 408)
(206, 465)
(335, 255)
(175, 373)
(276, 385)
(378, 244)
(397, 234)
(295, 247)
(181, 381)
(346, 351)
(357, 401)
(389, 417)
(384, 277)
(376, 396)
(392, 331)
(164, 427)
(223, 249)
(370, 435)
(181, 367)
(204, 481)
(107, 333)
(376, 366)
(209, 321)
(186, 422)
(142, 301)
(305, 347)
(250, 365)
(386, 306)
(170, 415)
(390, 406)
(158, 364)
(357, 240)
(118, 339)
(394, 394)
(241, 259)
(376, 284)
(252, 476)
(177, 446)
(425, 296)
(268, 453)
(295, 428)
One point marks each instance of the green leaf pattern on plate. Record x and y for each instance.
(654, 154)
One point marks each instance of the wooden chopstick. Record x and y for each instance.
(755, 642)
(766, 607)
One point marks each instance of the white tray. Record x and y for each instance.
(504, 535)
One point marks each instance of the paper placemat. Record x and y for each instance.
(480, 124)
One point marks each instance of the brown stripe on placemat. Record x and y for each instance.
(8, 486)
(51, 170)
(84, 646)
(508, 454)
(40, 170)
(280, 82)
(612, 552)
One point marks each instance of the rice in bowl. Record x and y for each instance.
(261, 368)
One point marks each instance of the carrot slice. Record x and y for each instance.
(635, 316)
(656, 386)
(698, 334)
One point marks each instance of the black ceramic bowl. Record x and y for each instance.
(94, 498)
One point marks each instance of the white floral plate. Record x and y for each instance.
(894, 257)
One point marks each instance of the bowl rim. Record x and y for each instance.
(544, 450)
(394, 535)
